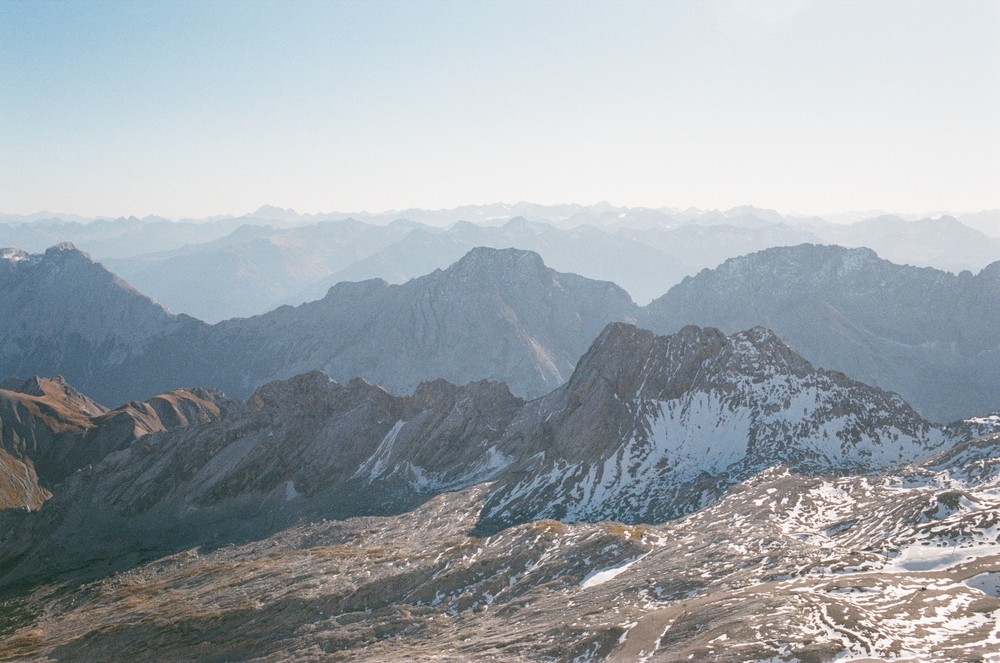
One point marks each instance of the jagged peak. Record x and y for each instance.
(357, 288)
(810, 251)
(12, 254)
(808, 258)
(623, 351)
(55, 387)
(58, 252)
(65, 250)
(304, 391)
(432, 391)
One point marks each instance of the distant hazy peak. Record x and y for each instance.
(824, 252)
(484, 259)
(272, 212)
(13, 255)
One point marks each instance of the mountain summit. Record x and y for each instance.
(650, 427)
(929, 335)
(497, 314)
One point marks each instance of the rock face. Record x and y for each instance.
(48, 430)
(647, 429)
(495, 314)
(307, 447)
(931, 336)
(61, 313)
(651, 427)
(785, 566)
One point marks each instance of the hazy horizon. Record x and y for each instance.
(838, 216)
(190, 110)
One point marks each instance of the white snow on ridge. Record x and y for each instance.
(379, 460)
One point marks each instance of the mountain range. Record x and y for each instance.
(49, 430)
(647, 429)
(787, 512)
(495, 314)
(931, 336)
(701, 494)
(503, 315)
(272, 256)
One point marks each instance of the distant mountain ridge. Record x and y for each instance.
(494, 314)
(274, 256)
(931, 336)
(498, 314)
(502, 314)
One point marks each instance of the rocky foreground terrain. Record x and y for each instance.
(688, 496)
(785, 567)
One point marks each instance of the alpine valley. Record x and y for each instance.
(791, 452)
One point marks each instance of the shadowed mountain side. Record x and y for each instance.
(495, 314)
(48, 430)
(293, 450)
(931, 336)
(63, 314)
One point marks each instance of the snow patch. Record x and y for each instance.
(595, 578)
(987, 583)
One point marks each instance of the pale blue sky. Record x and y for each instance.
(198, 108)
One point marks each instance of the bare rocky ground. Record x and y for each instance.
(785, 567)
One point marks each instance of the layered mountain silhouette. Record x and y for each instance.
(255, 268)
(931, 336)
(274, 256)
(495, 314)
(702, 494)
(61, 313)
(503, 315)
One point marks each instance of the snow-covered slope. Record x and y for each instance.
(651, 427)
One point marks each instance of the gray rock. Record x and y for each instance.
(931, 336)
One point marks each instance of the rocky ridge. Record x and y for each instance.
(49, 430)
(786, 566)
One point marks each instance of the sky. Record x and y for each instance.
(191, 109)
